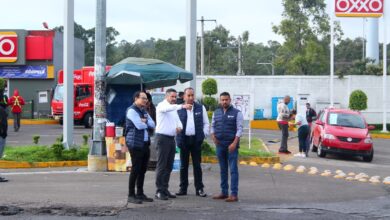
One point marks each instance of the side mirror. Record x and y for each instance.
(318, 122)
(371, 127)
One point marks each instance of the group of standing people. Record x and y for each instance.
(302, 121)
(16, 102)
(184, 125)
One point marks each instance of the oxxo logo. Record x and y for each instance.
(359, 8)
(8, 47)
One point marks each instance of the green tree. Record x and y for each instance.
(209, 88)
(305, 28)
(358, 100)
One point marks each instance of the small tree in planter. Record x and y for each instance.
(209, 88)
(358, 100)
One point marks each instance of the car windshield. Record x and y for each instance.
(59, 93)
(346, 120)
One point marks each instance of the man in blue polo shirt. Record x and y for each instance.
(226, 130)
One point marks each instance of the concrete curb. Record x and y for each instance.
(15, 165)
(35, 122)
(258, 160)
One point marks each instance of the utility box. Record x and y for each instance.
(301, 103)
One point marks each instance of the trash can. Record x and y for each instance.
(259, 114)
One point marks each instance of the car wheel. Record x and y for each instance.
(88, 120)
(369, 157)
(312, 146)
(320, 151)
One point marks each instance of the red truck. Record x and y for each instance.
(83, 96)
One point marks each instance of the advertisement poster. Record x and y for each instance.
(23, 72)
(242, 103)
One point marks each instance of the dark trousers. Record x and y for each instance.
(283, 143)
(303, 132)
(166, 149)
(17, 117)
(139, 160)
(193, 148)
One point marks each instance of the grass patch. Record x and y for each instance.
(43, 154)
(378, 132)
(257, 149)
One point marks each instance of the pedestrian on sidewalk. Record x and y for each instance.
(311, 116)
(303, 132)
(226, 130)
(3, 135)
(16, 102)
(138, 122)
(195, 127)
(168, 125)
(282, 119)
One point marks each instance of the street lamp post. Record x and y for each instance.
(202, 20)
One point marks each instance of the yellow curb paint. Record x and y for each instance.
(363, 180)
(277, 166)
(16, 165)
(35, 122)
(253, 163)
(265, 165)
(288, 167)
(326, 173)
(264, 124)
(383, 136)
(243, 163)
(340, 176)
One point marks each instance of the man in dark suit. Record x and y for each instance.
(195, 127)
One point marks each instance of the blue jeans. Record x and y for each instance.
(227, 160)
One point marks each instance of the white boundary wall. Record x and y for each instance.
(262, 88)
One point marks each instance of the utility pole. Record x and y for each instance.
(202, 20)
(191, 41)
(97, 160)
(240, 72)
(68, 73)
(384, 81)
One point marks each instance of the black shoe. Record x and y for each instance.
(161, 196)
(2, 179)
(181, 192)
(134, 200)
(170, 195)
(201, 193)
(144, 198)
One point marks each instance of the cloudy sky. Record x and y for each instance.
(136, 19)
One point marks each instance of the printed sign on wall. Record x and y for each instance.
(242, 103)
(23, 72)
(8, 47)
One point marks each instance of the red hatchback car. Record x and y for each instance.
(342, 131)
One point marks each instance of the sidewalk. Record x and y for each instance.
(293, 147)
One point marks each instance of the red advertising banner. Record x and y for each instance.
(359, 8)
(8, 47)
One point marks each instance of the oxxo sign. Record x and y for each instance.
(359, 8)
(8, 47)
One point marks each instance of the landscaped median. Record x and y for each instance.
(57, 156)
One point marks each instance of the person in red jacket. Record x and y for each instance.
(16, 102)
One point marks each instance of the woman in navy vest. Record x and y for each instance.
(226, 130)
(138, 121)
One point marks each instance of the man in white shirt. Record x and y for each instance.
(195, 127)
(168, 125)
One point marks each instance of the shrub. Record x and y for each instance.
(358, 100)
(209, 87)
(210, 103)
(36, 139)
(85, 139)
(57, 148)
(60, 139)
(2, 84)
(206, 148)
